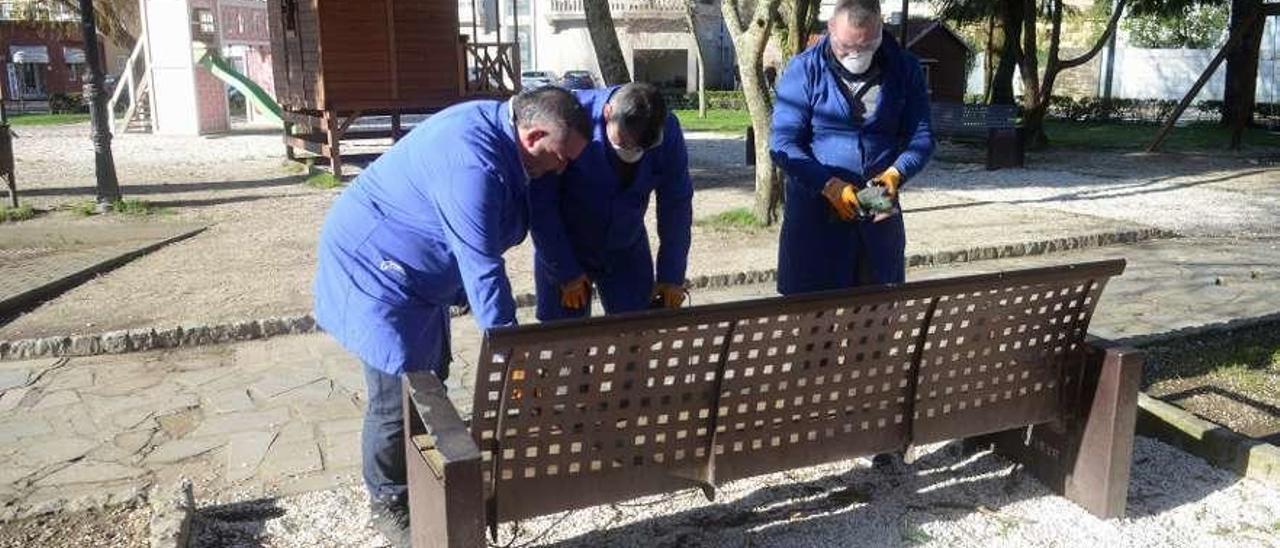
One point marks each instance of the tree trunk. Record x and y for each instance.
(1038, 107)
(1240, 94)
(691, 19)
(1006, 39)
(749, 40)
(604, 39)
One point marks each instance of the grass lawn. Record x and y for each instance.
(46, 119)
(1061, 133)
(1138, 136)
(725, 121)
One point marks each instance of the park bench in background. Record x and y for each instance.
(995, 125)
(578, 413)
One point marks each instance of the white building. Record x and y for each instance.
(653, 35)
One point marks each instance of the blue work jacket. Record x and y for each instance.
(423, 228)
(580, 216)
(816, 135)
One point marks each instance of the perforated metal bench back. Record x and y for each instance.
(577, 413)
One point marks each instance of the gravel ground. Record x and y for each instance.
(119, 527)
(1197, 195)
(944, 499)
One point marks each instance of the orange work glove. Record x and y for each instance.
(889, 179)
(843, 198)
(672, 294)
(574, 295)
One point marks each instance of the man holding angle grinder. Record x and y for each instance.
(850, 127)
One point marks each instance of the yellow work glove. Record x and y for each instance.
(889, 179)
(573, 295)
(672, 294)
(843, 198)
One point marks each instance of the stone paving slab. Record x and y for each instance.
(128, 421)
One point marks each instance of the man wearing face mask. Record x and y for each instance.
(588, 223)
(851, 111)
(424, 228)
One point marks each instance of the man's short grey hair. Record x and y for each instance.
(860, 13)
(554, 107)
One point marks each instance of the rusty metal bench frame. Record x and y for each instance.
(578, 413)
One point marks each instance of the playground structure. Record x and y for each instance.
(190, 51)
(337, 61)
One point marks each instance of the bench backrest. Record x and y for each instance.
(971, 119)
(576, 413)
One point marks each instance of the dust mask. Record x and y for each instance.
(858, 63)
(629, 155)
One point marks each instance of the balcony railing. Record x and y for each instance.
(572, 9)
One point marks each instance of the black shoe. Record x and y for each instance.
(390, 516)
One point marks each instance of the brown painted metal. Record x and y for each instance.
(446, 502)
(1086, 457)
(577, 413)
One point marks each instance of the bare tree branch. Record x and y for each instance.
(1102, 40)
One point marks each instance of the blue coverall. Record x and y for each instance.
(816, 136)
(423, 228)
(589, 220)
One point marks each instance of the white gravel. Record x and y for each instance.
(1209, 198)
(942, 500)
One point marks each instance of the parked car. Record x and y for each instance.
(578, 79)
(533, 79)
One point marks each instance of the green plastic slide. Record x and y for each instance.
(252, 91)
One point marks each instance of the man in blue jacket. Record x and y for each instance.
(851, 111)
(424, 228)
(588, 223)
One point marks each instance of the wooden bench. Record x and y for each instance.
(579, 413)
(994, 125)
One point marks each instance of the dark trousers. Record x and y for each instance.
(382, 441)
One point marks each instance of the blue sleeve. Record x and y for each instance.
(917, 128)
(675, 207)
(789, 143)
(471, 207)
(549, 235)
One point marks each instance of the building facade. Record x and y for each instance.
(653, 35)
(41, 51)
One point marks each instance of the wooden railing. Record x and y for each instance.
(490, 68)
(136, 78)
(561, 9)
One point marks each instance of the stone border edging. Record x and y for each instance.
(140, 340)
(61, 285)
(1216, 444)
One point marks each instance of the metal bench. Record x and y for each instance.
(995, 125)
(578, 413)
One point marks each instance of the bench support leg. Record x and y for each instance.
(1086, 457)
(446, 491)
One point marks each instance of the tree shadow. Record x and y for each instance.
(152, 189)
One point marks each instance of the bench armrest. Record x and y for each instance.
(446, 491)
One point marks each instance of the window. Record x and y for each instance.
(204, 18)
(74, 70)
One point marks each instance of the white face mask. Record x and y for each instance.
(628, 155)
(858, 63)
(632, 155)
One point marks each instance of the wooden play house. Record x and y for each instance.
(337, 61)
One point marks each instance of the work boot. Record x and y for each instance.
(390, 516)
